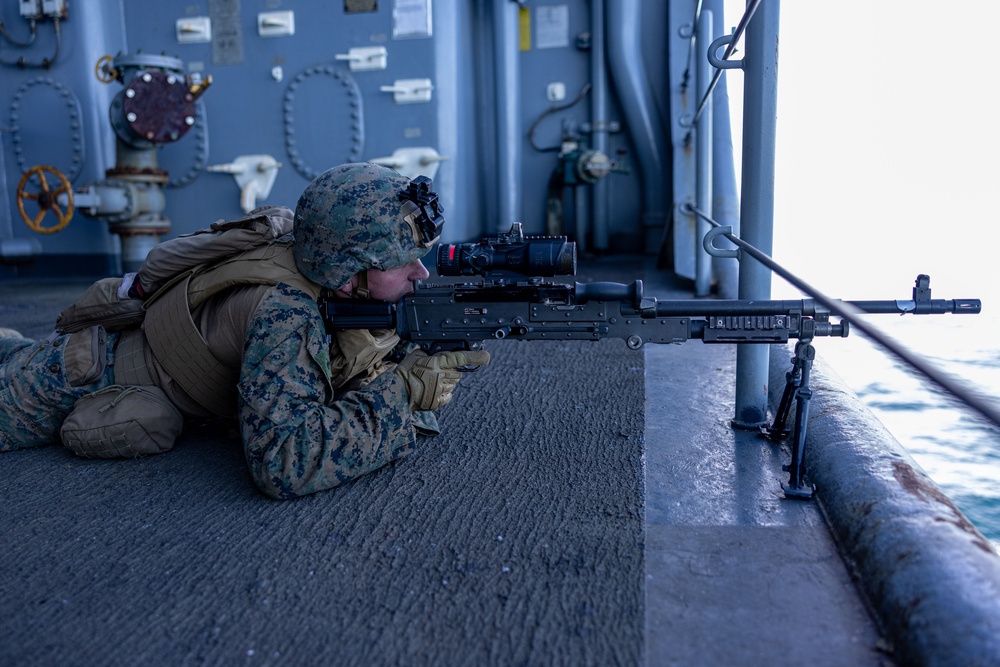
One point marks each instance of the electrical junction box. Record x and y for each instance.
(31, 9)
(54, 8)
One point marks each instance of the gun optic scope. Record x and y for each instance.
(509, 255)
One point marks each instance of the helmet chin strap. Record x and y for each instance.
(361, 290)
(355, 289)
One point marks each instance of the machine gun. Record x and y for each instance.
(514, 301)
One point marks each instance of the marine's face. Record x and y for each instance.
(395, 283)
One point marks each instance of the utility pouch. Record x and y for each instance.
(122, 422)
(101, 305)
(85, 356)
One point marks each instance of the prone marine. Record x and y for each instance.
(225, 322)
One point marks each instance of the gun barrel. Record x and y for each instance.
(921, 307)
(632, 294)
(810, 307)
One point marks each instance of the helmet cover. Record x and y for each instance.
(352, 218)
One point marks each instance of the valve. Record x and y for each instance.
(586, 166)
(48, 199)
(155, 107)
(157, 103)
(105, 71)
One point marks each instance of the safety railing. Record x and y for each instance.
(963, 393)
(758, 223)
(723, 63)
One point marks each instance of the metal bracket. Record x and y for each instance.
(254, 176)
(276, 24)
(408, 91)
(194, 30)
(413, 161)
(709, 243)
(362, 58)
(713, 54)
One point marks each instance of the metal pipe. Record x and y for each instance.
(508, 112)
(581, 217)
(630, 79)
(6, 220)
(599, 121)
(97, 36)
(752, 6)
(725, 195)
(760, 112)
(703, 153)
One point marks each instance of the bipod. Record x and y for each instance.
(797, 388)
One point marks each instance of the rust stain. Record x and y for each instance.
(914, 484)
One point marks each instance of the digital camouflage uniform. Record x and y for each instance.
(297, 438)
(304, 428)
(40, 382)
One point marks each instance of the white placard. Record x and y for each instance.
(411, 18)
(552, 26)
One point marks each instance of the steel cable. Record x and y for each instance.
(964, 393)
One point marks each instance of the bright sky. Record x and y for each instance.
(888, 146)
(887, 166)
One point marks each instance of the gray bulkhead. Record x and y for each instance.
(448, 89)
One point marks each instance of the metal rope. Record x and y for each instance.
(740, 29)
(690, 55)
(964, 393)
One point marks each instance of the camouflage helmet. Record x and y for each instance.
(363, 216)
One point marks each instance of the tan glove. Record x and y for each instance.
(356, 351)
(431, 379)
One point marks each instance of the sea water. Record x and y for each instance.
(958, 449)
(880, 177)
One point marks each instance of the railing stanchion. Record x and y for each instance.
(703, 153)
(760, 113)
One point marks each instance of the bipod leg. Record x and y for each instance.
(793, 380)
(797, 486)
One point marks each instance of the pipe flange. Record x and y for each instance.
(154, 108)
(147, 60)
(132, 175)
(144, 225)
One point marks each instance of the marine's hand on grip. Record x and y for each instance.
(431, 379)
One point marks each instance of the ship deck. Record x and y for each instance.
(585, 505)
